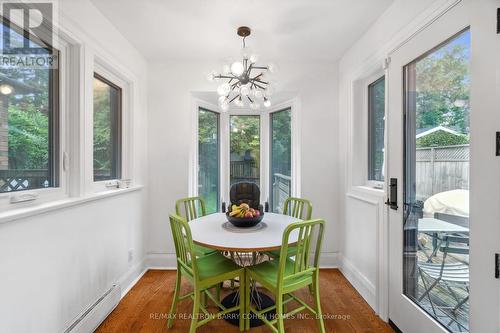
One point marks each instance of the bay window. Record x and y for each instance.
(244, 146)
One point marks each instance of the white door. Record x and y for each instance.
(428, 82)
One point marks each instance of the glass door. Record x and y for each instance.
(428, 156)
(244, 153)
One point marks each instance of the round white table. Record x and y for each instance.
(214, 231)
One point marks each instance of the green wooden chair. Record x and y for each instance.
(295, 207)
(204, 273)
(191, 208)
(285, 276)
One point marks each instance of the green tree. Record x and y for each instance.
(442, 138)
(443, 79)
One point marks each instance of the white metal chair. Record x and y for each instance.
(448, 274)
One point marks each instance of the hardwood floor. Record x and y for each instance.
(145, 309)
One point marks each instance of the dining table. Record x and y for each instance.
(246, 246)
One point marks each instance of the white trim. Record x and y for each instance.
(104, 68)
(68, 144)
(359, 281)
(132, 276)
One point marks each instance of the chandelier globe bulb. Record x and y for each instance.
(237, 68)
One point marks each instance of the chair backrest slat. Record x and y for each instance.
(305, 231)
(193, 207)
(297, 207)
(183, 244)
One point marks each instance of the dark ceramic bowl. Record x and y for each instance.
(244, 222)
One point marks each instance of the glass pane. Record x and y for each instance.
(107, 126)
(436, 229)
(208, 159)
(281, 158)
(245, 149)
(28, 125)
(376, 114)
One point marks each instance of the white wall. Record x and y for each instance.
(170, 136)
(361, 209)
(56, 264)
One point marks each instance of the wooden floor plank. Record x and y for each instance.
(145, 308)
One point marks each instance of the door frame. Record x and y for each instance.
(406, 314)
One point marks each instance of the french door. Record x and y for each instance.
(428, 151)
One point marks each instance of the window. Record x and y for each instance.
(208, 159)
(107, 129)
(376, 119)
(280, 158)
(244, 149)
(29, 125)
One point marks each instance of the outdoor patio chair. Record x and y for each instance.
(448, 274)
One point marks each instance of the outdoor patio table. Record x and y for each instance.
(243, 245)
(435, 227)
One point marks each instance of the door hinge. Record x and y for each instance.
(497, 265)
(498, 20)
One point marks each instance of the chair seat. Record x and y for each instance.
(456, 272)
(202, 250)
(215, 264)
(292, 251)
(267, 274)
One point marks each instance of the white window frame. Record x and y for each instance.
(375, 184)
(104, 69)
(224, 129)
(68, 80)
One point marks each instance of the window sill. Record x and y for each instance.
(16, 214)
(369, 190)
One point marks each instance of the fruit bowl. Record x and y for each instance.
(242, 222)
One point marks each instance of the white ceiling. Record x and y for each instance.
(282, 30)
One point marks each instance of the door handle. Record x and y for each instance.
(392, 200)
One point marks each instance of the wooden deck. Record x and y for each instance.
(145, 308)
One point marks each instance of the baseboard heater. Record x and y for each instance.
(97, 312)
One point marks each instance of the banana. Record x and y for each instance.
(235, 212)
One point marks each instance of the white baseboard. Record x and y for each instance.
(360, 282)
(133, 275)
(329, 260)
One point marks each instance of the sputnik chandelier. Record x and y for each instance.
(246, 82)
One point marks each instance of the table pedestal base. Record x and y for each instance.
(258, 299)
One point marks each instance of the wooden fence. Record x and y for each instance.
(440, 169)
